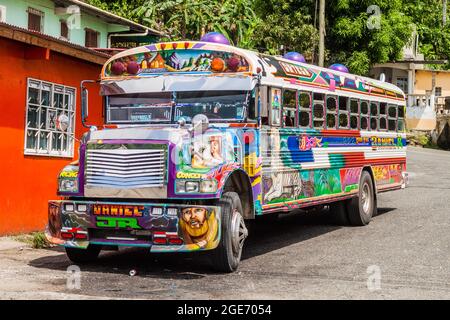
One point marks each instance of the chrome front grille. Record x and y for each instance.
(124, 167)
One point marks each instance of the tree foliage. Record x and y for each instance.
(359, 37)
(356, 34)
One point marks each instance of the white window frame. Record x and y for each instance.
(68, 30)
(37, 12)
(46, 128)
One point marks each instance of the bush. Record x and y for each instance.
(423, 140)
(39, 241)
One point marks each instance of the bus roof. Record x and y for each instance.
(191, 58)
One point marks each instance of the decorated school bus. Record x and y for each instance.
(199, 137)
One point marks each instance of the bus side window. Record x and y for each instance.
(364, 115)
(275, 106)
(401, 119)
(318, 110)
(373, 116)
(304, 105)
(392, 117)
(331, 112)
(383, 116)
(354, 114)
(264, 105)
(252, 105)
(343, 112)
(289, 108)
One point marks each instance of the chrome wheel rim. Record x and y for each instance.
(239, 232)
(365, 198)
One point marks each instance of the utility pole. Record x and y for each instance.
(321, 33)
(444, 13)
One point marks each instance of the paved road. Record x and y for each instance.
(298, 257)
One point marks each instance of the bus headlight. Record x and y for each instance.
(68, 185)
(208, 186)
(204, 186)
(191, 186)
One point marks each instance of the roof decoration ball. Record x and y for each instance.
(215, 37)
(118, 68)
(294, 56)
(233, 64)
(217, 64)
(339, 67)
(133, 67)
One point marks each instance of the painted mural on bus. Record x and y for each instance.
(199, 138)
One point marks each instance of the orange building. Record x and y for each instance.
(39, 80)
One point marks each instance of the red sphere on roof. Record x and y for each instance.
(118, 68)
(133, 67)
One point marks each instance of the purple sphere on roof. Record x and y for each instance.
(339, 67)
(215, 37)
(295, 56)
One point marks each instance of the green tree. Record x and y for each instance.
(434, 37)
(359, 38)
(123, 8)
(277, 26)
(286, 23)
(190, 19)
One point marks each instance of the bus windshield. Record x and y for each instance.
(169, 107)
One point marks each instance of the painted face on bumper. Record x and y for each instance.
(160, 227)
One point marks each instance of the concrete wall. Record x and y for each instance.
(28, 182)
(424, 81)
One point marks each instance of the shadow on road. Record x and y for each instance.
(267, 235)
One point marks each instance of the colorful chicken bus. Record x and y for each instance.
(200, 137)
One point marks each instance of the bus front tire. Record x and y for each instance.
(362, 208)
(226, 257)
(83, 255)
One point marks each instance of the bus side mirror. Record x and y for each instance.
(84, 102)
(200, 124)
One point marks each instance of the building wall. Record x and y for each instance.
(28, 182)
(16, 14)
(424, 81)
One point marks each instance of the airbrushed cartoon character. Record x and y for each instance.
(198, 228)
(207, 155)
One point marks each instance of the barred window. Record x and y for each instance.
(364, 115)
(304, 105)
(392, 117)
(343, 112)
(45, 103)
(383, 117)
(354, 114)
(331, 112)
(289, 108)
(374, 116)
(318, 111)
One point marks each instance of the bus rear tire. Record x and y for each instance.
(83, 255)
(226, 257)
(362, 208)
